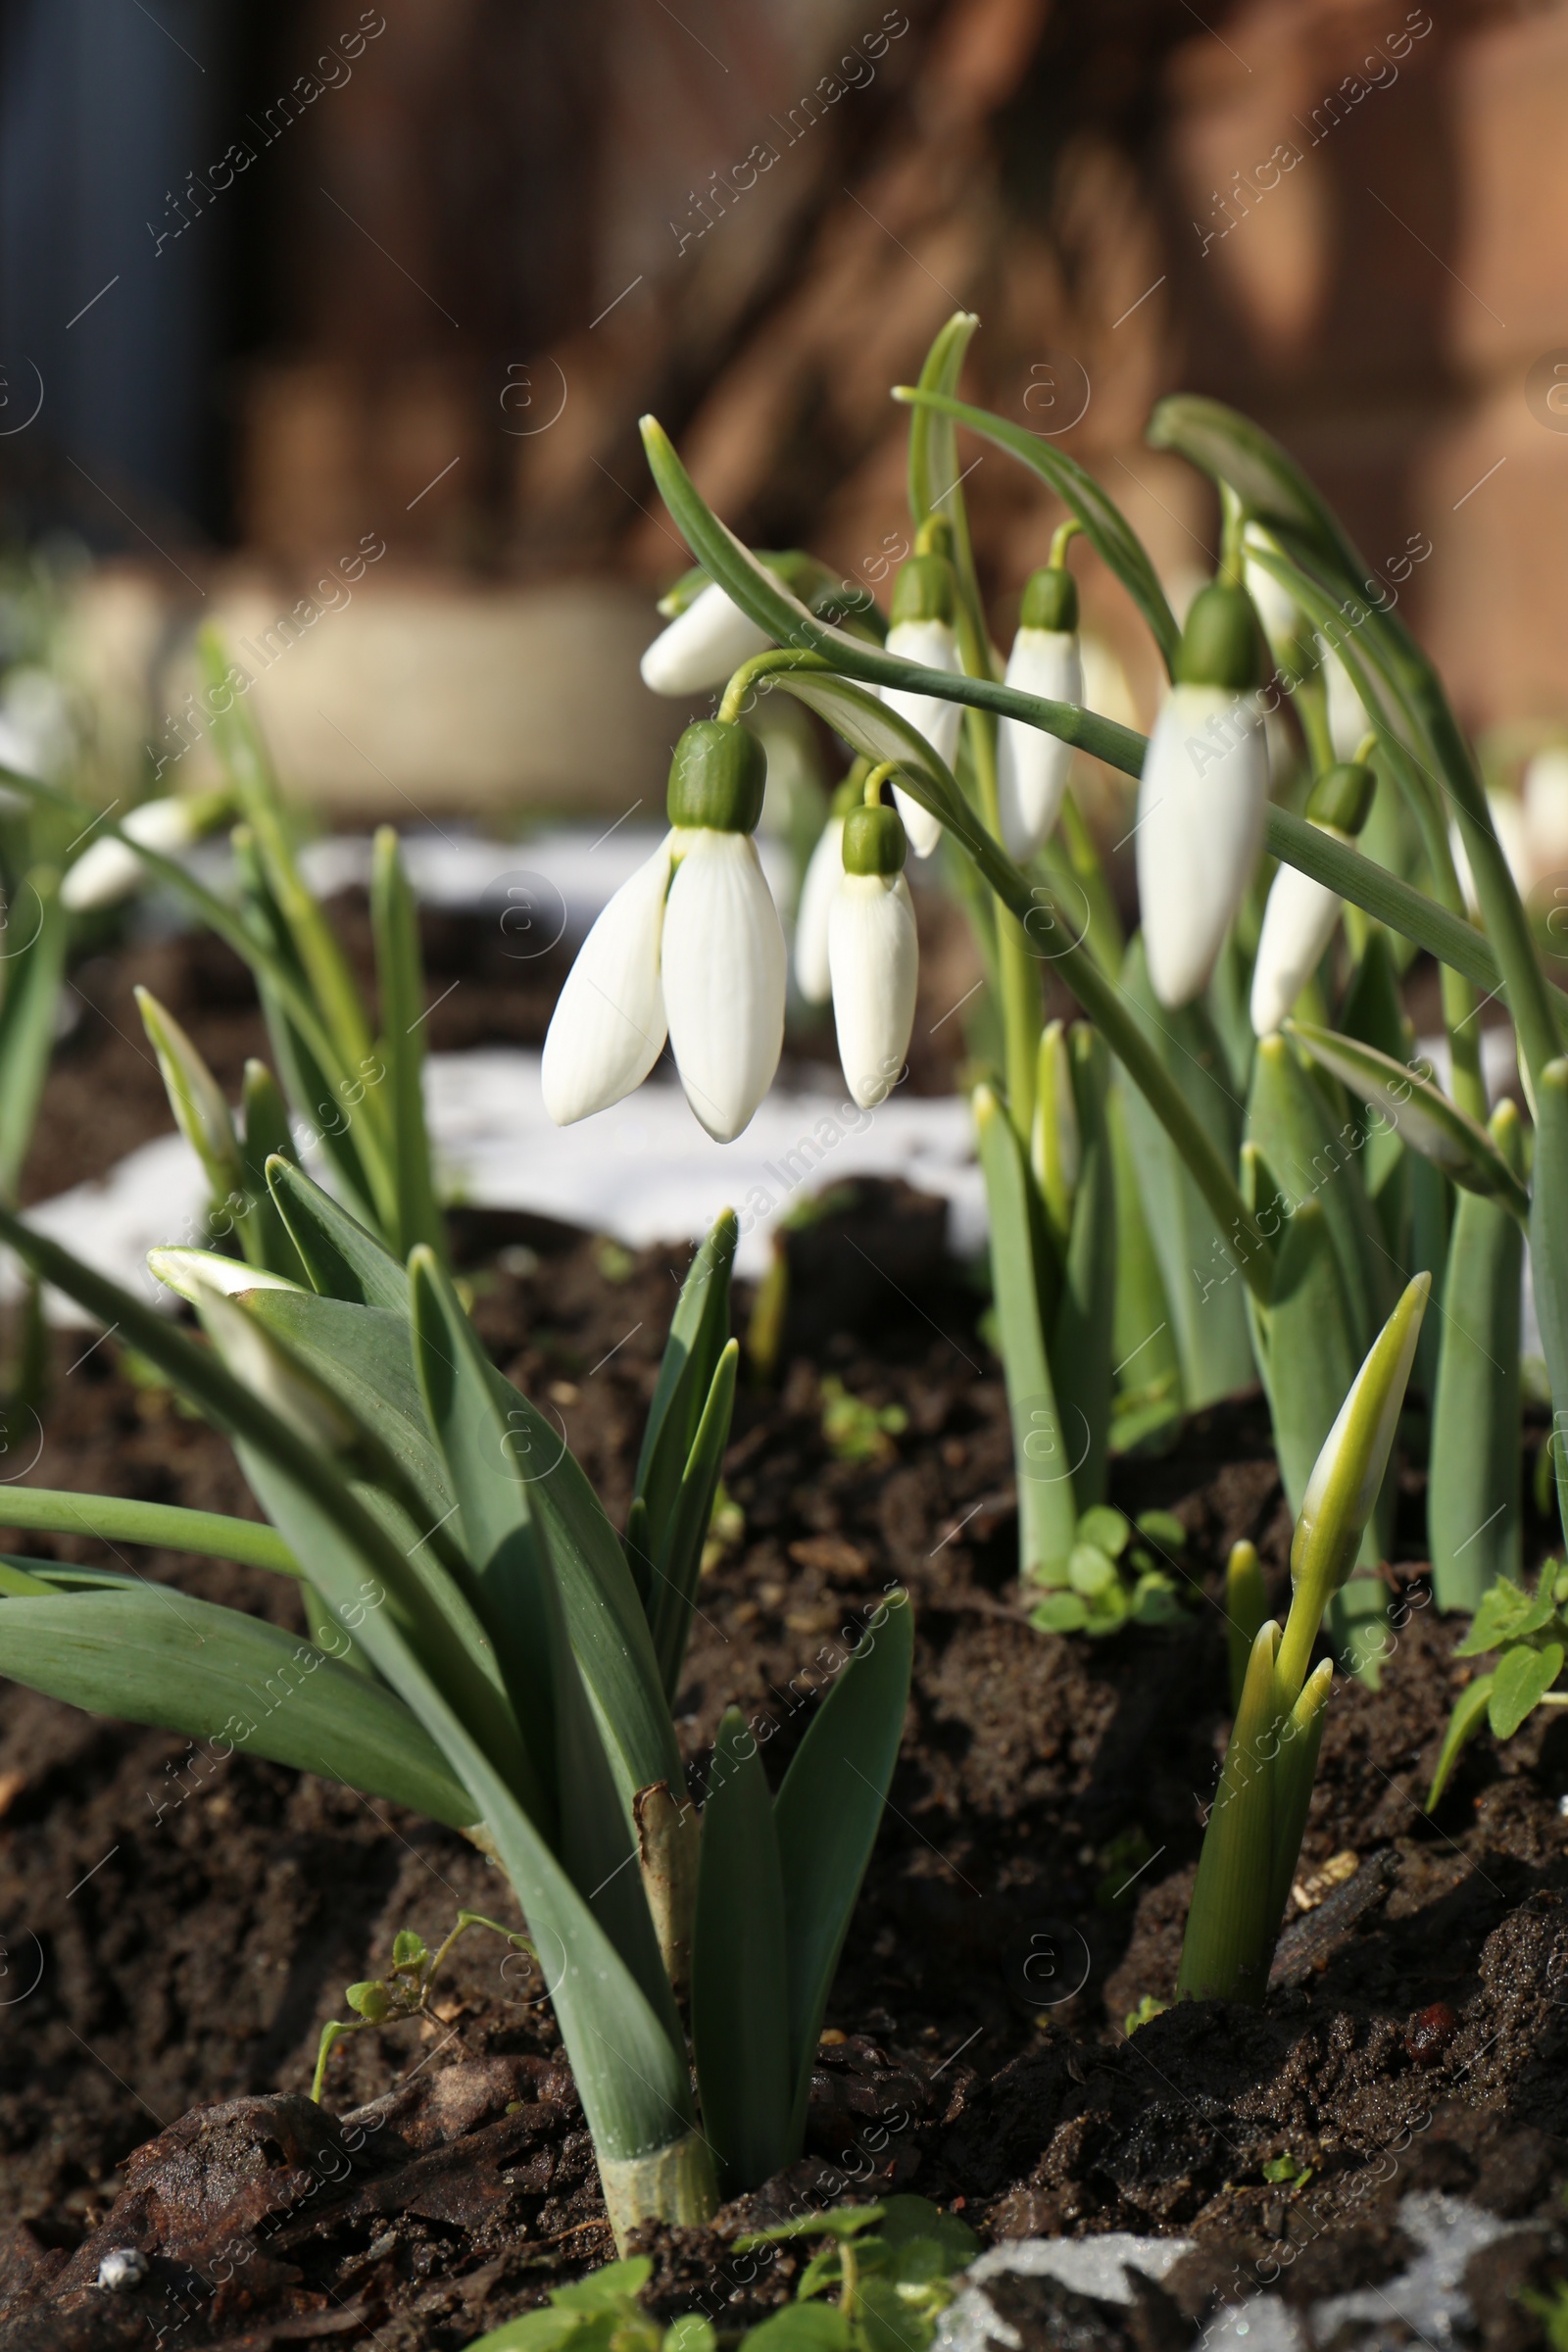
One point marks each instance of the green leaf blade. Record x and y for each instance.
(740, 1995)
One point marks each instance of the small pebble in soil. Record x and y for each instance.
(1430, 2032)
(121, 2269)
(1562, 1807)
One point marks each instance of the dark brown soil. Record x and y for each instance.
(174, 1939)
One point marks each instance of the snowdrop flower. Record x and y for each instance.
(690, 947)
(109, 868)
(1300, 916)
(702, 645)
(924, 602)
(1203, 795)
(1032, 765)
(823, 873)
(1346, 713)
(1509, 823)
(1284, 622)
(873, 955)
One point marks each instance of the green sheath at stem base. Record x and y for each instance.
(674, 2184)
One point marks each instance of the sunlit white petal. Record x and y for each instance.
(875, 956)
(608, 1029)
(703, 645)
(724, 966)
(1032, 765)
(1201, 807)
(824, 874)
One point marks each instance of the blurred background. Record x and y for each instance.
(334, 323)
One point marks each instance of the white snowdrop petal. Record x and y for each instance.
(824, 874)
(607, 1028)
(924, 829)
(1032, 765)
(725, 968)
(1201, 807)
(874, 952)
(1297, 925)
(934, 646)
(703, 645)
(1349, 722)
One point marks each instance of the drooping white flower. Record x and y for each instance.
(694, 942)
(873, 951)
(924, 602)
(823, 873)
(1031, 766)
(1203, 797)
(608, 1029)
(109, 868)
(1300, 919)
(703, 645)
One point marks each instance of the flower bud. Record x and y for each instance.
(1031, 766)
(191, 1273)
(1301, 913)
(1056, 1142)
(275, 1375)
(1345, 1479)
(109, 868)
(873, 953)
(707, 640)
(197, 1101)
(924, 602)
(1203, 795)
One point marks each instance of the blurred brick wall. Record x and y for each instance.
(1385, 306)
(1349, 217)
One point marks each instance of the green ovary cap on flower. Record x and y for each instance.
(716, 777)
(1221, 642)
(1050, 599)
(874, 842)
(925, 590)
(1341, 797)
